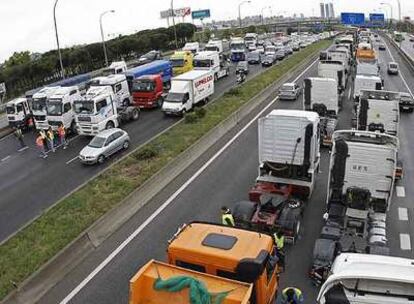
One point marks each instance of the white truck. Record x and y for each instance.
(214, 46)
(335, 70)
(18, 113)
(289, 150)
(96, 111)
(59, 108)
(193, 47)
(188, 90)
(39, 106)
(367, 279)
(250, 38)
(370, 68)
(321, 96)
(379, 111)
(116, 67)
(366, 82)
(211, 61)
(119, 85)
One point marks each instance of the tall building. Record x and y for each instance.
(331, 10)
(327, 15)
(322, 10)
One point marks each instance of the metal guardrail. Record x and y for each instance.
(403, 54)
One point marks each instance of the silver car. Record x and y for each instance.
(289, 91)
(104, 145)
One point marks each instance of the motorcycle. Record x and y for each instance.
(240, 77)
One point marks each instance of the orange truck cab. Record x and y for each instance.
(144, 288)
(365, 54)
(147, 91)
(228, 252)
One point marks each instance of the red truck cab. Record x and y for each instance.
(147, 91)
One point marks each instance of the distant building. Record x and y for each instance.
(331, 10)
(322, 10)
(327, 15)
(302, 16)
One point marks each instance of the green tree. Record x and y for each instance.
(17, 58)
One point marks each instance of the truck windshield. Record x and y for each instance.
(39, 104)
(10, 109)
(83, 107)
(108, 71)
(202, 63)
(97, 142)
(175, 97)
(143, 86)
(211, 48)
(54, 108)
(177, 62)
(237, 46)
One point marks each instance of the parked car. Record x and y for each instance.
(289, 91)
(406, 102)
(242, 67)
(393, 68)
(104, 145)
(149, 57)
(268, 60)
(253, 57)
(381, 47)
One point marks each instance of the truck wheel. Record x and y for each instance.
(135, 114)
(227, 72)
(183, 112)
(215, 77)
(125, 103)
(109, 125)
(101, 159)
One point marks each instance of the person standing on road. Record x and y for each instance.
(41, 145)
(280, 244)
(19, 135)
(227, 217)
(62, 136)
(292, 295)
(50, 136)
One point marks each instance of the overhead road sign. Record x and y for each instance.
(353, 18)
(377, 19)
(201, 14)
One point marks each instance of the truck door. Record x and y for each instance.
(118, 94)
(67, 115)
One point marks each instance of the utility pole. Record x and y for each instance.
(62, 71)
(240, 4)
(173, 18)
(103, 36)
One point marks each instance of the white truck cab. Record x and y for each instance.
(194, 47)
(116, 67)
(39, 106)
(59, 108)
(366, 82)
(18, 112)
(212, 61)
(96, 111)
(119, 85)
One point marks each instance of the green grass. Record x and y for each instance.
(41, 240)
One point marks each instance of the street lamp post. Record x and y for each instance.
(399, 10)
(103, 36)
(266, 7)
(57, 41)
(390, 7)
(175, 30)
(240, 4)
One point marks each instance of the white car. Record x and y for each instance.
(289, 91)
(393, 68)
(104, 145)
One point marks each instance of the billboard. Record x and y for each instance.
(353, 18)
(201, 14)
(178, 12)
(377, 19)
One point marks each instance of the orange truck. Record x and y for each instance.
(366, 54)
(219, 256)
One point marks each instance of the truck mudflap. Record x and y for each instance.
(327, 128)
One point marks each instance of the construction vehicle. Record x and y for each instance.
(379, 111)
(288, 153)
(59, 108)
(149, 286)
(148, 91)
(18, 113)
(366, 279)
(228, 252)
(182, 62)
(39, 106)
(321, 96)
(360, 187)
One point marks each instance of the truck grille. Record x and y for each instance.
(54, 123)
(84, 118)
(10, 118)
(40, 117)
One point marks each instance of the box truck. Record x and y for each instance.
(188, 90)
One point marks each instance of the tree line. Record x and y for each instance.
(24, 71)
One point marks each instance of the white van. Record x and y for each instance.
(187, 90)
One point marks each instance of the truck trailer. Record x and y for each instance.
(161, 67)
(335, 70)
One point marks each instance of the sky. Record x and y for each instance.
(28, 24)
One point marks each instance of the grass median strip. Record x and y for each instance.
(41, 240)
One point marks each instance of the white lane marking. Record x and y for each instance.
(402, 214)
(349, 94)
(72, 160)
(125, 243)
(22, 149)
(405, 242)
(400, 191)
(400, 74)
(5, 158)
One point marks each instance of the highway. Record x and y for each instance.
(29, 184)
(223, 176)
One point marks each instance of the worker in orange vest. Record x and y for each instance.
(50, 137)
(41, 145)
(62, 136)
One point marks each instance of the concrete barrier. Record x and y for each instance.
(34, 287)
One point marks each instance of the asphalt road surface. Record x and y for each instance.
(29, 184)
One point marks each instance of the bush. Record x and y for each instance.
(190, 118)
(200, 112)
(146, 153)
(233, 92)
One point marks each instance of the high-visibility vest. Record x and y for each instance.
(61, 131)
(39, 141)
(227, 216)
(280, 242)
(50, 135)
(298, 293)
